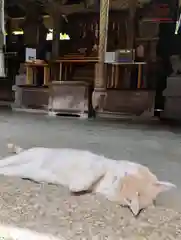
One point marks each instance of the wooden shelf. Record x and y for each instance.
(147, 39)
(157, 20)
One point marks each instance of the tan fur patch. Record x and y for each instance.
(138, 191)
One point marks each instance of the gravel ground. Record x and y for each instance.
(52, 210)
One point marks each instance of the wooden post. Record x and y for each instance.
(131, 31)
(57, 22)
(131, 24)
(56, 35)
(9, 30)
(53, 8)
(99, 94)
(31, 25)
(2, 39)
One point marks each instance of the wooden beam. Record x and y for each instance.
(2, 39)
(100, 81)
(77, 8)
(57, 20)
(52, 7)
(99, 94)
(131, 24)
(2, 23)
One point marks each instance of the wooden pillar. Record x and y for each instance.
(53, 8)
(56, 45)
(31, 25)
(2, 30)
(131, 24)
(56, 35)
(2, 39)
(99, 94)
(9, 30)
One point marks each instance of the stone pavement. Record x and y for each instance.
(154, 145)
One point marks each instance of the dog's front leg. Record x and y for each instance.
(85, 184)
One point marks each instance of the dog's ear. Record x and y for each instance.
(164, 186)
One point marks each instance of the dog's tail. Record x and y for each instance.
(13, 148)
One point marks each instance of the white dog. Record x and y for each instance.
(127, 183)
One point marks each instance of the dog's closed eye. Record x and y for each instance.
(127, 200)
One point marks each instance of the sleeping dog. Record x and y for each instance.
(126, 183)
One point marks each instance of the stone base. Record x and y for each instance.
(31, 97)
(99, 99)
(74, 98)
(172, 106)
(70, 97)
(125, 102)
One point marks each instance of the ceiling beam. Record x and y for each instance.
(74, 8)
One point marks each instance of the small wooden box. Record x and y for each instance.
(125, 55)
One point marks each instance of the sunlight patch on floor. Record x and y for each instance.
(14, 233)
